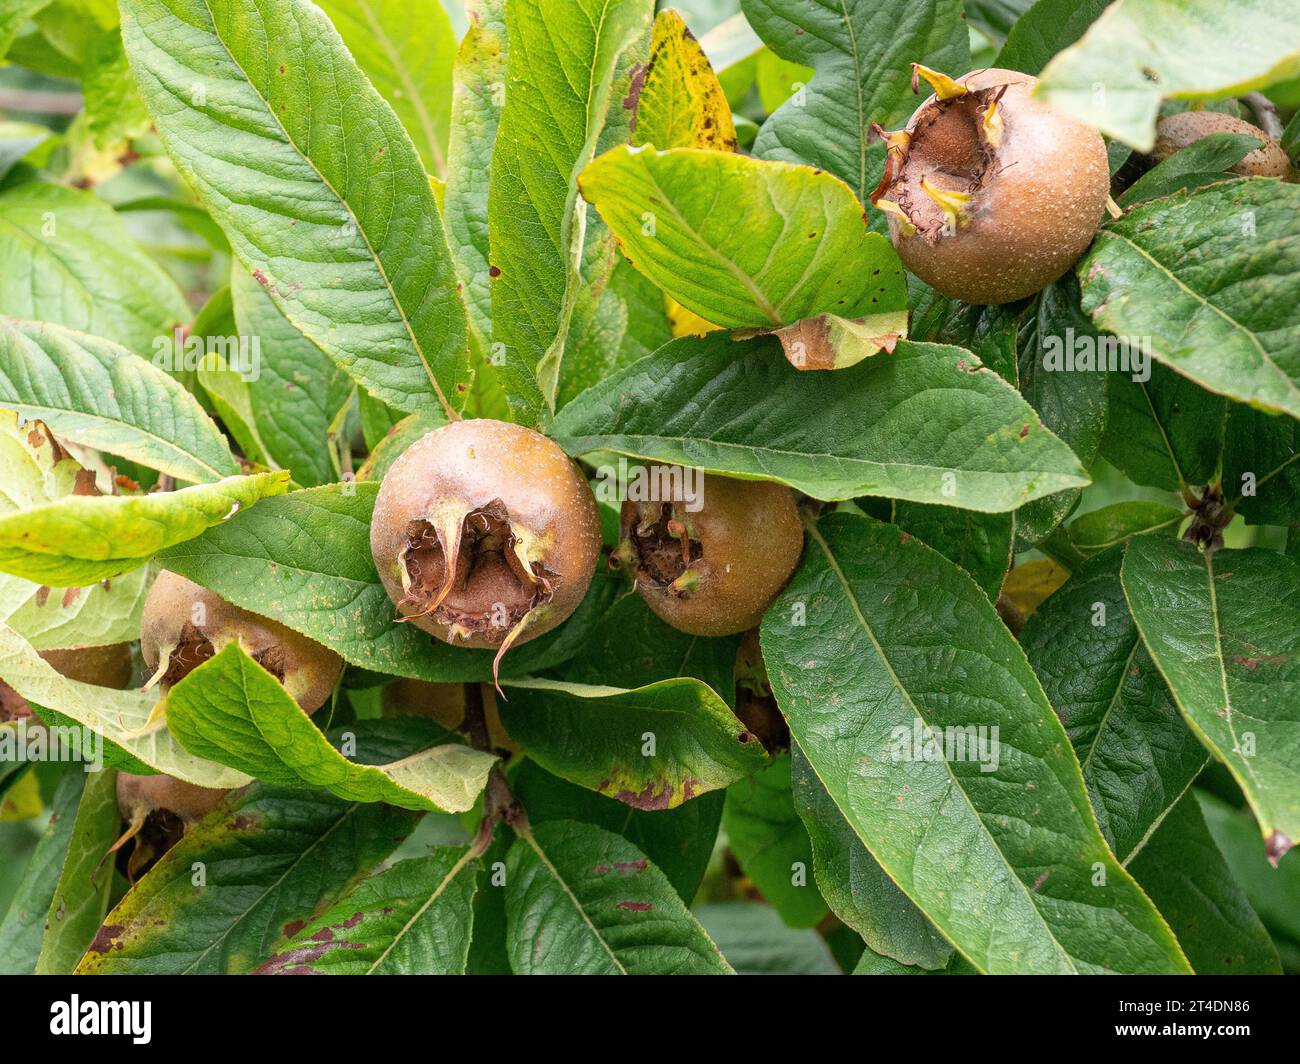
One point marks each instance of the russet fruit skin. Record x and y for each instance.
(103, 666)
(513, 511)
(1026, 186)
(1178, 131)
(307, 670)
(140, 796)
(742, 544)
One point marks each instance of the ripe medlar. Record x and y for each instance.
(715, 571)
(485, 534)
(1177, 131)
(143, 796)
(991, 194)
(103, 666)
(184, 625)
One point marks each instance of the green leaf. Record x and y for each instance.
(316, 184)
(104, 613)
(93, 392)
(857, 889)
(267, 864)
(232, 711)
(1225, 315)
(82, 538)
(406, 49)
(756, 941)
(81, 896)
(1261, 466)
(1138, 756)
(23, 925)
(771, 843)
(1096, 531)
(411, 919)
(653, 747)
(1200, 163)
(979, 543)
(917, 646)
(1045, 29)
(330, 591)
(1224, 630)
(66, 258)
(743, 242)
(121, 717)
(677, 841)
(568, 69)
(580, 900)
(1185, 875)
(861, 51)
(13, 17)
(928, 424)
(1190, 61)
(114, 112)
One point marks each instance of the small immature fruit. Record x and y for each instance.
(103, 666)
(184, 625)
(991, 194)
(715, 571)
(513, 514)
(1177, 131)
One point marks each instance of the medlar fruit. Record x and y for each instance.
(143, 796)
(103, 666)
(714, 571)
(1178, 131)
(991, 194)
(184, 625)
(485, 534)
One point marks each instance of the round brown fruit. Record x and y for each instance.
(716, 571)
(139, 797)
(991, 194)
(512, 512)
(103, 666)
(184, 625)
(1176, 132)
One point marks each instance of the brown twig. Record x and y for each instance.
(35, 102)
(1266, 114)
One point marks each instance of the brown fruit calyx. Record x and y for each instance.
(184, 624)
(485, 534)
(990, 194)
(1175, 132)
(714, 566)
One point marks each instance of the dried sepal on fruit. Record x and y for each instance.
(990, 194)
(514, 515)
(712, 566)
(157, 810)
(184, 624)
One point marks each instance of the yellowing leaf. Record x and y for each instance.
(686, 322)
(1028, 585)
(682, 104)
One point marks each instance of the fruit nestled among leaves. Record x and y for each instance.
(157, 811)
(716, 570)
(1176, 132)
(991, 194)
(103, 666)
(485, 534)
(183, 625)
(448, 704)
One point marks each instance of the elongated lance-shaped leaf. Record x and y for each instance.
(894, 670)
(79, 539)
(1234, 329)
(414, 918)
(91, 391)
(315, 182)
(927, 423)
(565, 58)
(232, 711)
(862, 51)
(581, 900)
(1224, 629)
(271, 858)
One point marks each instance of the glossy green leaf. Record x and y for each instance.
(1224, 630)
(66, 258)
(580, 900)
(979, 543)
(771, 843)
(1225, 315)
(232, 711)
(91, 391)
(968, 836)
(1190, 61)
(862, 51)
(411, 919)
(1045, 29)
(928, 424)
(1103, 528)
(1138, 756)
(315, 182)
(568, 71)
(83, 538)
(743, 242)
(266, 863)
(1261, 465)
